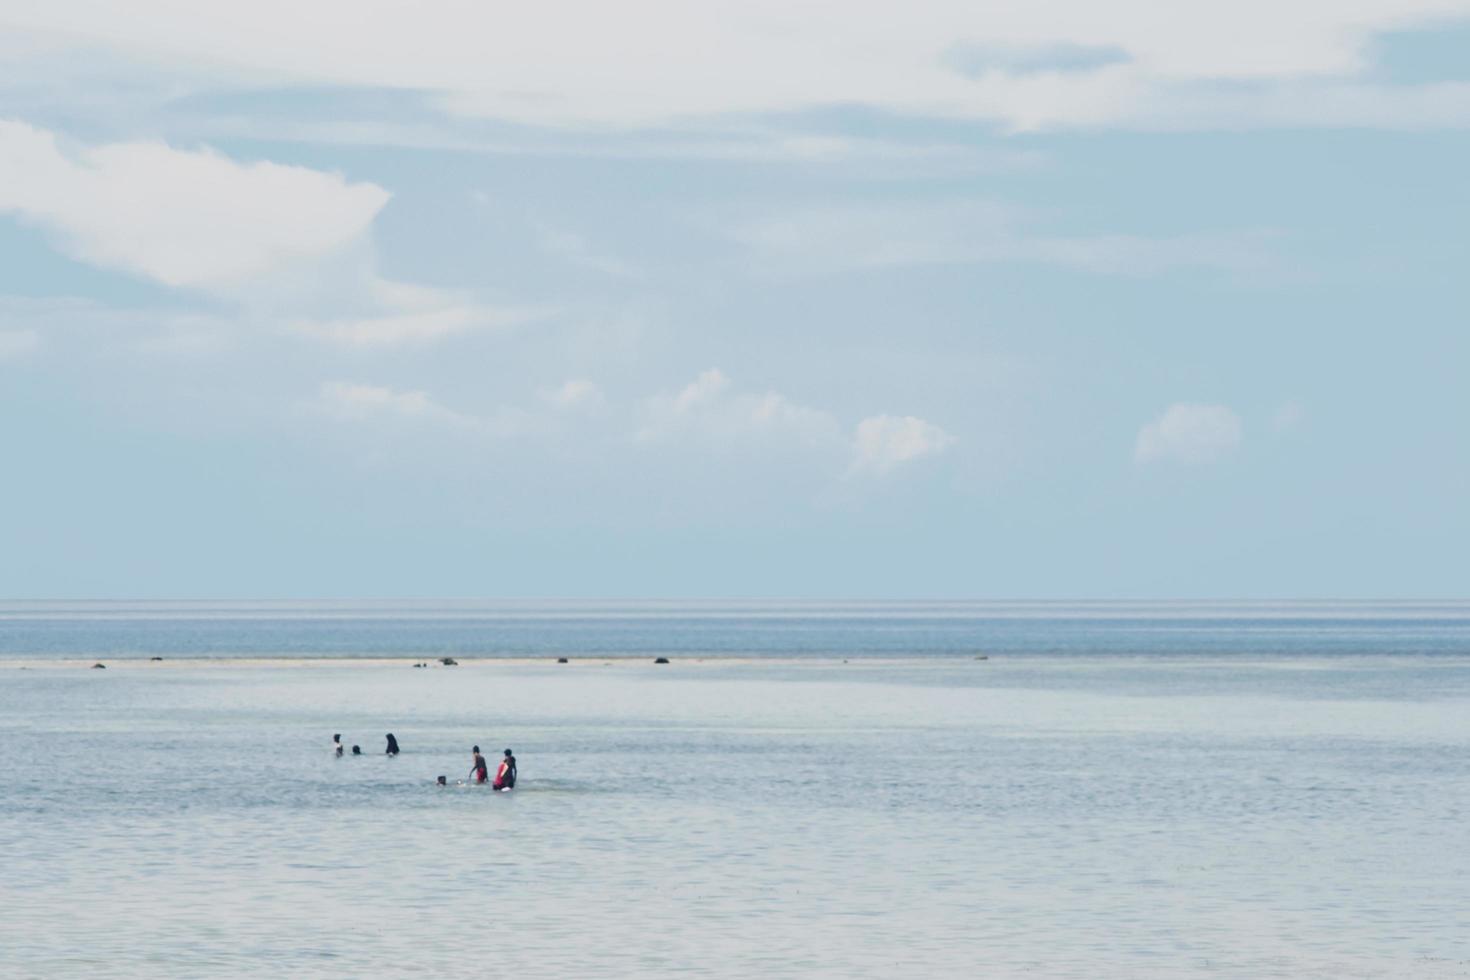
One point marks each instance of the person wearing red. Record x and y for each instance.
(505, 776)
(480, 771)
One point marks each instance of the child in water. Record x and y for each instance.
(337, 745)
(480, 771)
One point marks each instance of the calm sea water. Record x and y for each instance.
(742, 628)
(1115, 792)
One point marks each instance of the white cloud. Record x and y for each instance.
(703, 390)
(710, 413)
(393, 328)
(1023, 63)
(573, 395)
(885, 441)
(970, 231)
(1189, 433)
(712, 410)
(347, 400)
(709, 408)
(181, 217)
(380, 404)
(400, 313)
(718, 140)
(100, 328)
(285, 244)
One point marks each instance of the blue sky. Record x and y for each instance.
(1028, 301)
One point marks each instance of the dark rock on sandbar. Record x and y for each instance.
(662, 660)
(99, 666)
(154, 658)
(561, 660)
(449, 661)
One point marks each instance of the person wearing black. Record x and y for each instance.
(392, 744)
(337, 745)
(505, 776)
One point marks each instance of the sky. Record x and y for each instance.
(952, 300)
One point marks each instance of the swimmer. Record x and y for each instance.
(337, 745)
(480, 771)
(357, 750)
(505, 776)
(392, 744)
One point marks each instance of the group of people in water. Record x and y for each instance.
(337, 746)
(505, 774)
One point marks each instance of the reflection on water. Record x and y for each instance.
(1067, 818)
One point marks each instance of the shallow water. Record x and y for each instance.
(1055, 816)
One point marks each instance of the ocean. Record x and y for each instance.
(747, 628)
(805, 789)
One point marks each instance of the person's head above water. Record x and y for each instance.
(336, 738)
(357, 750)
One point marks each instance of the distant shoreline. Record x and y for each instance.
(136, 662)
(649, 661)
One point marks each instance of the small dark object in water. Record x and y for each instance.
(661, 660)
(99, 666)
(357, 750)
(561, 660)
(982, 657)
(449, 661)
(392, 744)
(155, 658)
(417, 666)
(443, 780)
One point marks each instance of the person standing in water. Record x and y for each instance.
(480, 771)
(505, 776)
(392, 744)
(337, 745)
